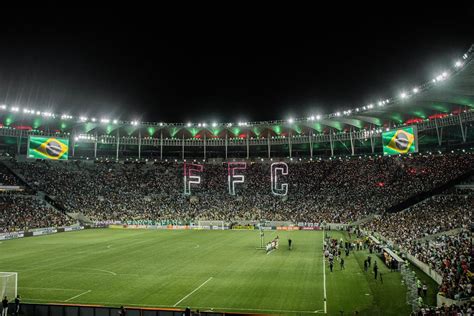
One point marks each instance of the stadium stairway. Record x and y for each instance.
(411, 201)
(363, 220)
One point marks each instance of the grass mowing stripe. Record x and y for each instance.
(156, 268)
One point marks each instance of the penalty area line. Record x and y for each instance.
(70, 299)
(200, 286)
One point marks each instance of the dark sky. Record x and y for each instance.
(227, 64)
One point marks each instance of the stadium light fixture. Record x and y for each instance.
(214, 124)
(189, 124)
(105, 121)
(3, 107)
(458, 64)
(199, 124)
(15, 109)
(403, 95)
(415, 90)
(115, 121)
(161, 124)
(311, 118)
(318, 117)
(291, 120)
(93, 119)
(83, 119)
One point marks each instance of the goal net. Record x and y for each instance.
(211, 224)
(8, 284)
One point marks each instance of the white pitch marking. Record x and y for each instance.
(106, 271)
(78, 295)
(202, 284)
(324, 276)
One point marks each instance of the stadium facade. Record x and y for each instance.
(442, 110)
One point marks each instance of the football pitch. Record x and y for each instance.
(205, 270)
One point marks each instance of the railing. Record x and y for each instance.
(31, 309)
(362, 135)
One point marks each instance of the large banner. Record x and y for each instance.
(400, 141)
(48, 148)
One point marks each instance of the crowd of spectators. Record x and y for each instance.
(337, 190)
(19, 212)
(7, 178)
(437, 214)
(452, 257)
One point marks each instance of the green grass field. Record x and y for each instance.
(219, 270)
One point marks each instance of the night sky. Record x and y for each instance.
(224, 66)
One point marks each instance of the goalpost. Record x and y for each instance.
(211, 224)
(8, 284)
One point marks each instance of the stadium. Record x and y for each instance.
(367, 210)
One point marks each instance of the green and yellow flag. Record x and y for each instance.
(400, 141)
(48, 148)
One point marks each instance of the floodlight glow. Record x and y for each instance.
(214, 124)
(415, 90)
(161, 124)
(291, 120)
(318, 117)
(15, 109)
(83, 118)
(199, 124)
(403, 95)
(458, 63)
(115, 121)
(106, 121)
(311, 118)
(189, 124)
(204, 124)
(3, 107)
(380, 103)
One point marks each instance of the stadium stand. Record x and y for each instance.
(336, 191)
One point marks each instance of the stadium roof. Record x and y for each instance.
(450, 93)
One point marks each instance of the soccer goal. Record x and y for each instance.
(8, 284)
(211, 224)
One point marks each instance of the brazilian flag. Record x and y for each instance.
(400, 141)
(48, 148)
